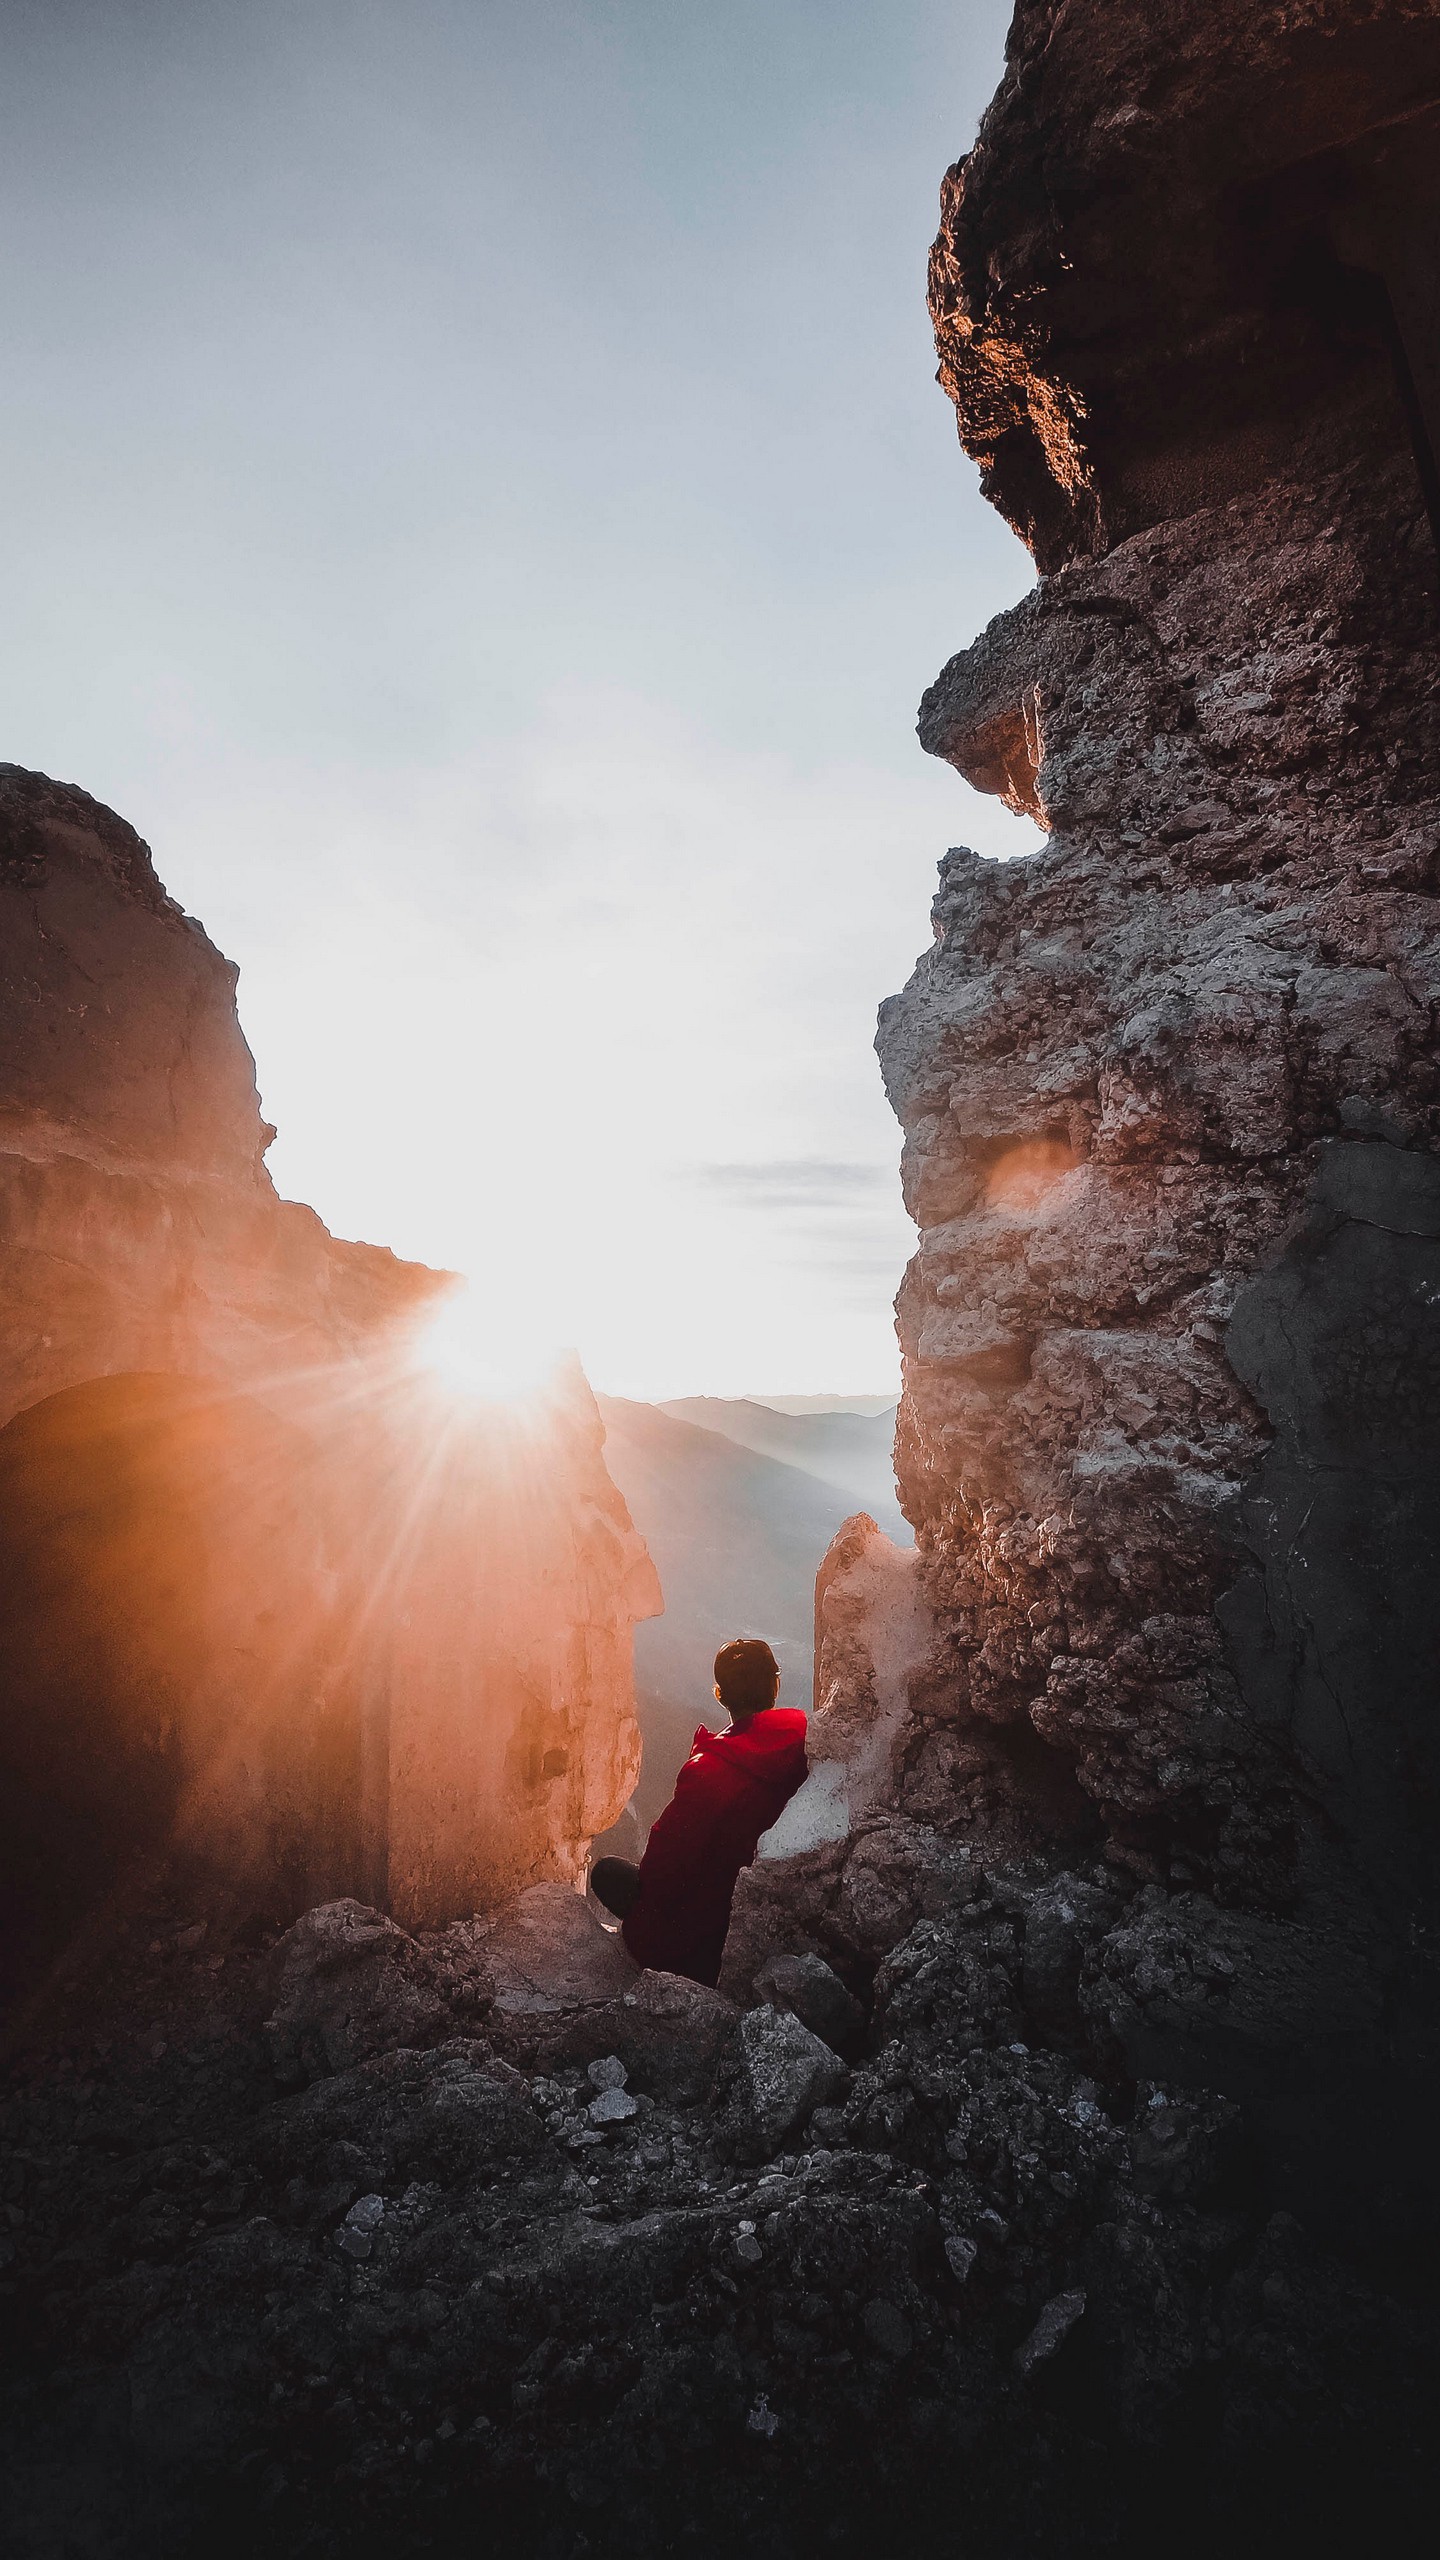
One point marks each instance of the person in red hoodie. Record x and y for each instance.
(676, 1904)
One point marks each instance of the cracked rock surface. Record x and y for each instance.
(448, 2282)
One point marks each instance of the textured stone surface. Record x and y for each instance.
(1168, 1086)
(347, 1984)
(1155, 283)
(427, 2287)
(783, 2072)
(547, 1953)
(668, 2035)
(1129, 1073)
(1115, 2237)
(274, 1608)
(816, 1994)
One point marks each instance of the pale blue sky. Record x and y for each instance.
(477, 500)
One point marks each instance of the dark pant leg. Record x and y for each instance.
(615, 1882)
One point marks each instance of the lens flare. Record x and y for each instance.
(477, 1348)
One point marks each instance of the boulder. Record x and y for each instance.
(451, 2114)
(346, 1983)
(812, 1991)
(783, 2073)
(669, 2034)
(546, 1954)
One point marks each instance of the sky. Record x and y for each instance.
(477, 500)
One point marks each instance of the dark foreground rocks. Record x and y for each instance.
(971, 2291)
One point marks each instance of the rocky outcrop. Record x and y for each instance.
(143, 1232)
(785, 2308)
(275, 1610)
(1157, 1680)
(1192, 253)
(1052, 2170)
(1168, 1086)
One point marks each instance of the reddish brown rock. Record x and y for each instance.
(1182, 257)
(277, 1612)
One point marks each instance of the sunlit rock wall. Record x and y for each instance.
(277, 1612)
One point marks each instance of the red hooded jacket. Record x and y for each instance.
(732, 1787)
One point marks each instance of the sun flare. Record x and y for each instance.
(471, 1348)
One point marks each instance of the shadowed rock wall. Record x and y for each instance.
(1171, 1113)
(1172, 1335)
(273, 1606)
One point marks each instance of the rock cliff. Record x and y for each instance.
(1052, 2170)
(1169, 1433)
(274, 1609)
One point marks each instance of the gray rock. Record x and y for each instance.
(608, 2073)
(960, 2256)
(356, 2234)
(344, 1984)
(613, 2106)
(547, 1953)
(1051, 2330)
(812, 1991)
(449, 2113)
(666, 2033)
(784, 2072)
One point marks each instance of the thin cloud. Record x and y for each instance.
(807, 1182)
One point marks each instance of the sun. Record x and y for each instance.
(474, 1348)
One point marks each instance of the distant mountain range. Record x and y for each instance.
(824, 1404)
(737, 1502)
(852, 1451)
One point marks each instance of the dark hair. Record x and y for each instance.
(747, 1675)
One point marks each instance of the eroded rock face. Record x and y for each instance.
(1169, 1098)
(275, 1611)
(1172, 1124)
(143, 1232)
(1168, 1086)
(1175, 263)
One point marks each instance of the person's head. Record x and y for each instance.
(747, 1677)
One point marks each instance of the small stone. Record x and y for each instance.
(609, 2073)
(747, 2251)
(613, 2106)
(353, 2244)
(960, 2256)
(761, 2420)
(887, 2328)
(1051, 2330)
(366, 2213)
